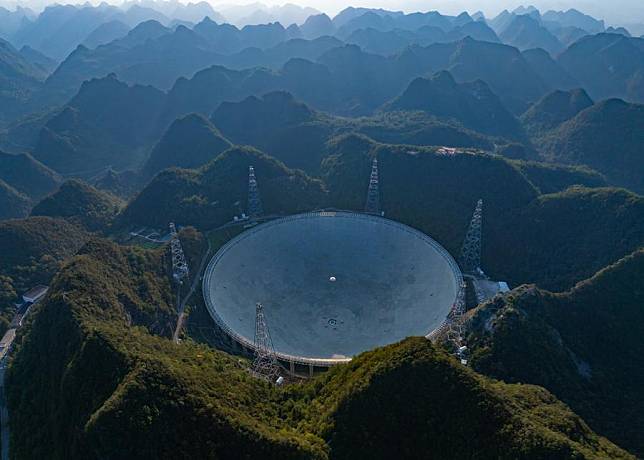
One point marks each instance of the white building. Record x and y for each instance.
(35, 294)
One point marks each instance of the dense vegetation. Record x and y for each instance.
(584, 345)
(108, 123)
(80, 203)
(562, 238)
(530, 210)
(473, 104)
(19, 80)
(189, 142)
(32, 252)
(292, 132)
(27, 175)
(554, 109)
(607, 137)
(12, 202)
(98, 335)
(166, 108)
(23, 180)
(551, 178)
(212, 195)
(527, 237)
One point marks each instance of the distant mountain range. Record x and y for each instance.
(106, 124)
(23, 181)
(116, 121)
(157, 44)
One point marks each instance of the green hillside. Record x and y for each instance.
(410, 397)
(584, 345)
(292, 132)
(80, 203)
(19, 80)
(32, 252)
(554, 109)
(27, 175)
(189, 142)
(212, 195)
(13, 204)
(108, 123)
(607, 137)
(473, 104)
(116, 377)
(565, 237)
(551, 178)
(527, 237)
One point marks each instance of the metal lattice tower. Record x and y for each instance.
(373, 195)
(456, 328)
(179, 264)
(265, 363)
(254, 202)
(471, 253)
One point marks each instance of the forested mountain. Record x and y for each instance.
(472, 104)
(519, 247)
(19, 79)
(598, 62)
(525, 32)
(529, 237)
(189, 142)
(156, 52)
(554, 109)
(23, 181)
(106, 33)
(33, 250)
(192, 383)
(28, 175)
(44, 64)
(583, 345)
(12, 202)
(155, 114)
(608, 137)
(291, 131)
(108, 123)
(396, 40)
(80, 204)
(349, 81)
(59, 29)
(210, 196)
(11, 20)
(549, 70)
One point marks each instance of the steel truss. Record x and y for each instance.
(254, 202)
(470, 259)
(373, 194)
(265, 363)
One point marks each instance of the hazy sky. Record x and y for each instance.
(625, 9)
(613, 11)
